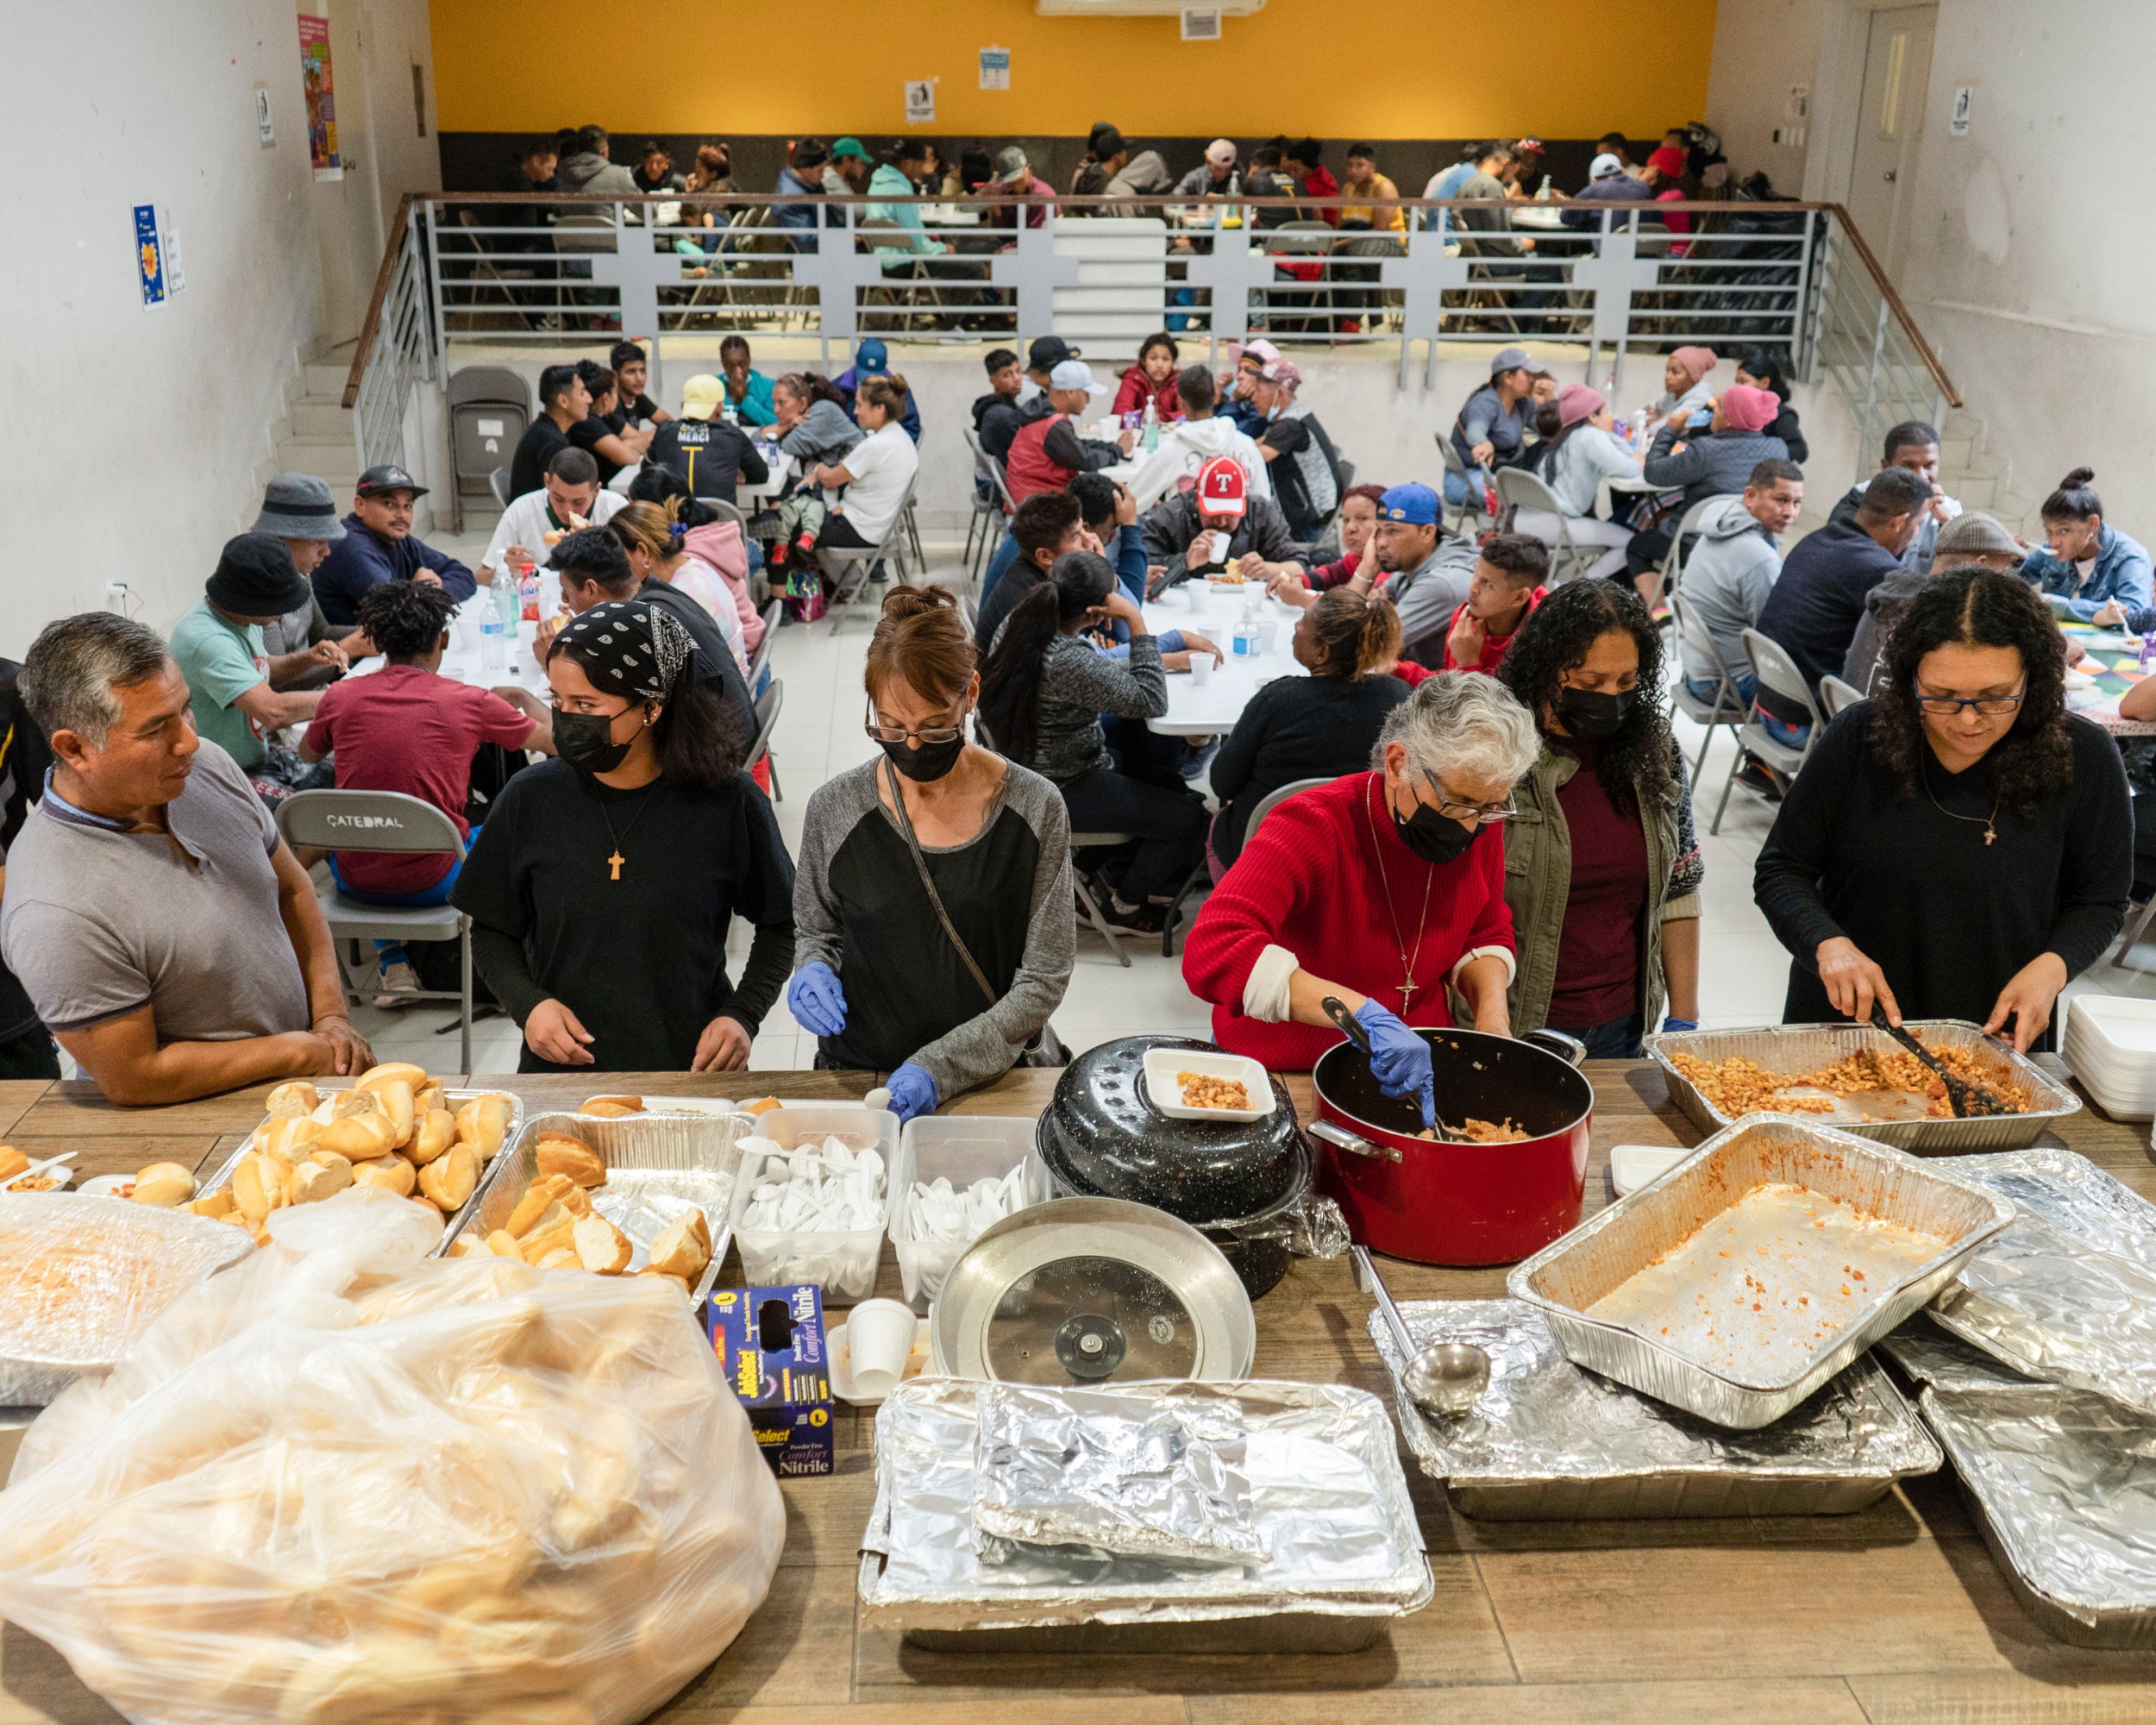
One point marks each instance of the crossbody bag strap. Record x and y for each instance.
(928, 884)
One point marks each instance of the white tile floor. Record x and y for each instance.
(1743, 970)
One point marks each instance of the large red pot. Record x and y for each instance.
(1463, 1204)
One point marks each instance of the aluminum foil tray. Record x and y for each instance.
(2062, 1484)
(2067, 1293)
(1802, 1048)
(1637, 1292)
(658, 1167)
(456, 1099)
(1327, 1495)
(1549, 1442)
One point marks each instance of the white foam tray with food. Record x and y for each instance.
(1166, 1089)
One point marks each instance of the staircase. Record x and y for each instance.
(316, 434)
(1981, 481)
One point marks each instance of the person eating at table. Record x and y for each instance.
(1602, 870)
(1585, 451)
(1960, 846)
(163, 929)
(932, 903)
(1199, 532)
(1507, 586)
(2086, 563)
(569, 499)
(604, 884)
(1409, 845)
(1152, 378)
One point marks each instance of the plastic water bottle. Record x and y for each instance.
(493, 650)
(1543, 196)
(1150, 425)
(1638, 424)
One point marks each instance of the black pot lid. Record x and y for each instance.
(1101, 1134)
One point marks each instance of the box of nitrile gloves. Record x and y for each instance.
(770, 1344)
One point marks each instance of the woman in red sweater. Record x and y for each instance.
(1385, 888)
(1154, 376)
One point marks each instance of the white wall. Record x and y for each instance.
(1761, 48)
(133, 101)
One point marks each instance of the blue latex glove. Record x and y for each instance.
(913, 1092)
(1673, 1022)
(816, 1000)
(1400, 1059)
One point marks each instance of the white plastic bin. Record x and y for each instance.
(962, 1149)
(843, 1264)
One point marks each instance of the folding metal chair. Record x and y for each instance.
(762, 659)
(497, 482)
(767, 705)
(835, 561)
(1518, 489)
(1106, 929)
(391, 823)
(1672, 569)
(1835, 694)
(1776, 674)
(1473, 508)
(1726, 707)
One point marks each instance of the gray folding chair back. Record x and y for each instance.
(1728, 707)
(1106, 929)
(387, 822)
(1473, 509)
(497, 482)
(726, 511)
(838, 561)
(1273, 800)
(772, 615)
(1835, 694)
(768, 705)
(1518, 489)
(1776, 674)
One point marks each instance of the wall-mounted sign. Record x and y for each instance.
(320, 86)
(1201, 24)
(995, 68)
(1957, 115)
(920, 101)
(149, 256)
(264, 129)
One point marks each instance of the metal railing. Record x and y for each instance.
(541, 271)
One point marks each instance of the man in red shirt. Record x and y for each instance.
(1504, 589)
(1047, 451)
(407, 728)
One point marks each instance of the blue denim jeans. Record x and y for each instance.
(388, 952)
(1616, 1041)
(1700, 689)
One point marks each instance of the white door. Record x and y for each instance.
(1889, 126)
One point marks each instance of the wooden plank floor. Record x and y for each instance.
(1895, 1617)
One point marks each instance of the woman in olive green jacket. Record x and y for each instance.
(1601, 867)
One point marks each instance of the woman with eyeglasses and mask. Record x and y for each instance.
(933, 901)
(1601, 869)
(1385, 888)
(1960, 846)
(604, 884)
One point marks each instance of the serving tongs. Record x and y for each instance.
(1358, 1033)
(1966, 1099)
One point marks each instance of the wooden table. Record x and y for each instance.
(1893, 1616)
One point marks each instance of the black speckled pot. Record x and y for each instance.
(1102, 1137)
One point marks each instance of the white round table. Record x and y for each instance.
(1212, 711)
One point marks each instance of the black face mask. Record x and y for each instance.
(1594, 715)
(586, 741)
(927, 763)
(1436, 838)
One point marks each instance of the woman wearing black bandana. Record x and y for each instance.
(602, 887)
(882, 982)
(1601, 869)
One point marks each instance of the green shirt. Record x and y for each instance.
(222, 660)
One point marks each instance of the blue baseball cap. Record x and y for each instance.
(1415, 504)
(872, 357)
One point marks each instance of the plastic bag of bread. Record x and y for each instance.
(346, 1482)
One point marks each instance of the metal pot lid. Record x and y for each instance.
(1102, 1133)
(1093, 1290)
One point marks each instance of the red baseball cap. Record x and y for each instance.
(1219, 490)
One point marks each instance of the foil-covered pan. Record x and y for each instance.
(1549, 1442)
(1805, 1048)
(658, 1168)
(2062, 1484)
(453, 1099)
(1741, 1281)
(2067, 1293)
(1327, 1496)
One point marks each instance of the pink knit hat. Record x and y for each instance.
(1578, 401)
(1696, 362)
(1747, 409)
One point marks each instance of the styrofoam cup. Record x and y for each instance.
(1200, 669)
(879, 1338)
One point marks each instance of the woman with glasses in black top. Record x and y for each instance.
(1960, 846)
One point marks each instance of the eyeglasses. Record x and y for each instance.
(1490, 814)
(928, 734)
(1951, 706)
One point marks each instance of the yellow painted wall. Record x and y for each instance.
(1335, 69)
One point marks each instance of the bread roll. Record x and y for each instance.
(393, 1173)
(503, 1243)
(572, 1157)
(601, 1247)
(612, 1107)
(346, 1103)
(449, 1179)
(219, 1204)
(683, 1249)
(289, 1102)
(530, 1207)
(483, 1122)
(392, 1072)
(314, 1180)
(394, 1096)
(12, 1162)
(426, 1097)
(358, 1138)
(258, 1185)
(556, 1236)
(561, 1258)
(166, 1184)
(287, 1138)
(435, 1132)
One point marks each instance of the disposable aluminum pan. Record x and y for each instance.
(2067, 1293)
(658, 1166)
(1328, 1498)
(1804, 1048)
(453, 1099)
(1826, 1243)
(1549, 1442)
(2062, 1484)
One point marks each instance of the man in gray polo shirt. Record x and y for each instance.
(1428, 573)
(165, 932)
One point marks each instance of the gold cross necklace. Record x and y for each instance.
(1988, 821)
(1407, 962)
(605, 815)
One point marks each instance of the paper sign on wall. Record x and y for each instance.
(149, 256)
(1201, 24)
(175, 271)
(264, 129)
(995, 68)
(1958, 117)
(322, 99)
(920, 101)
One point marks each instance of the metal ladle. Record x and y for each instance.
(1443, 1380)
